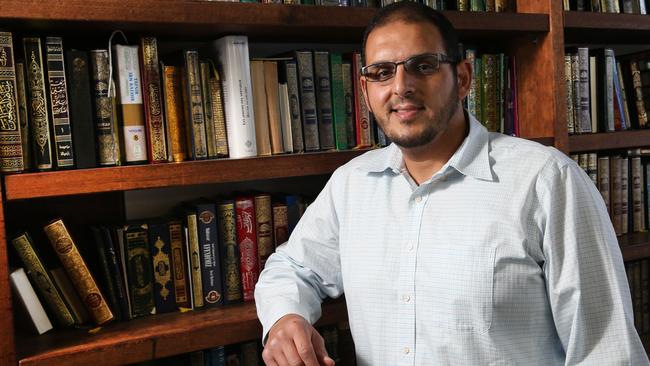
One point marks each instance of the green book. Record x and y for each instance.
(338, 102)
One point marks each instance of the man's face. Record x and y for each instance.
(411, 109)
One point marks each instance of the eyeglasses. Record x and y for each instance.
(418, 65)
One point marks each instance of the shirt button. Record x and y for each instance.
(418, 199)
(406, 350)
(406, 298)
(410, 245)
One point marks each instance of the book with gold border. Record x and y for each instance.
(11, 147)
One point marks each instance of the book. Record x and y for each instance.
(27, 297)
(193, 106)
(70, 296)
(361, 111)
(264, 220)
(308, 104)
(176, 140)
(193, 249)
(237, 95)
(153, 101)
(59, 108)
(247, 243)
(160, 245)
(206, 98)
(113, 256)
(179, 267)
(230, 257)
(260, 109)
(37, 101)
(348, 95)
(108, 145)
(206, 215)
(218, 115)
(273, 105)
(322, 81)
(23, 116)
(78, 272)
(106, 277)
(339, 118)
(280, 224)
(11, 146)
(138, 269)
(289, 74)
(285, 117)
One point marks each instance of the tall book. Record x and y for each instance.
(262, 132)
(41, 278)
(289, 74)
(338, 102)
(641, 113)
(70, 296)
(322, 81)
(237, 95)
(153, 102)
(285, 117)
(232, 284)
(106, 277)
(489, 92)
(193, 105)
(176, 140)
(206, 98)
(108, 143)
(218, 115)
(348, 95)
(77, 269)
(111, 248)
(615, 192)
(569, 94)
(81, 113)
(603, 181)
(308, 104)
(129, 89)
(361, 111)
(138, 269)
(179, 267)
(638, 191)
(583, 97)
(206, 215)
(280, 224)
(273, 105)
(264, 220)
(11, 147)
(23, 115)
(37, 100)
(625, 210)
(56, 77)
(27, 297)
(163, 286)
(247, 243)
(193, 249)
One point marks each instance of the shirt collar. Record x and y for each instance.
(471, 158)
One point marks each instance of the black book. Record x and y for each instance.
(163, 290)
(210, 258)
(115, 268)
(106, 276)
(81, 115)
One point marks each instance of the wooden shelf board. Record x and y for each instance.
(588, 27)
(153, 337)
(609, 140)
(212, 19)
(85, 181)
(635, 246)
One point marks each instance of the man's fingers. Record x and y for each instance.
(320, 350)
(304, 348)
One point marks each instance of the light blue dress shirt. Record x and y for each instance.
(506, 256)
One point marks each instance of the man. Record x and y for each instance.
(454, 246)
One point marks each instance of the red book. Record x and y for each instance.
(361, 111)
(152, 96)
(247, 243)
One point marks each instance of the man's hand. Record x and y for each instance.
(292, 341)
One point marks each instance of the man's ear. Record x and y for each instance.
(463, 78)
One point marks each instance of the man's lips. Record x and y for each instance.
(406, 112)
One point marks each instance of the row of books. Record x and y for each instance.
(493, 94)
(65, 111)
(638, 274)
(606, 94)
(210, 254)
(460, 5)
(623, 181)
(607, 6)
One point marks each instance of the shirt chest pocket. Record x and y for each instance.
(455, 287)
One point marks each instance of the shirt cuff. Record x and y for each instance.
(275, 308)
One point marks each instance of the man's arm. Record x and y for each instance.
(586, 280)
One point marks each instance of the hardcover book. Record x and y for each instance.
(361, 111)
(162, 269)
(179, 268)
(307, 88)
(11, 147)
(323, 88)
(27, 297)
(273, 105)
(193, 106)
(206, 215)
(138, 270)
(262, 133)
(210, 132)
(23, 115)
(264, 219)
(232, 285)
(289, 74)
(108, 146)
(176, 140)
(194, 254)
(247, 243)
(348, 95)
(218, 115)
(338, 102)
(153, 102)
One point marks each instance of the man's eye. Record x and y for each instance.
(425, 67)
(384, 73)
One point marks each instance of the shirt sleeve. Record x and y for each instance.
(304, 270)
(586, 281)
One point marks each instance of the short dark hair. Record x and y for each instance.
(413, 12)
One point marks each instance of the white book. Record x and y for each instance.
(285, 117)
(237, 95)
(26, 295)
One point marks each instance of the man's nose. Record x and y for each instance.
(403, 82)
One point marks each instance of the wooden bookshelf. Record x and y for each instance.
(609, 140)
(153, 337)
(635, 246)
(603, 28)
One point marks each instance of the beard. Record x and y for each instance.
(432, 128)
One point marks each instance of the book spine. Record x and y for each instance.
(338, 102)
(489, 83)
(626, 110)
(218, 115)
(194, 249)
(23, 115)
(637, 195)
(470, 55)
(27, 297)
(575, 85)
(364, 138)
(78, 271)
(153, 104)
(237, 95)
(38, 111)
(348, 95)
(106, 279)
(638, 94)
(11, 146)
(285, 117)
(271, 85)
(322, 82)
(174, 112)
(193, 102)
(609, 90)
(160, 254)
(280, 224)
(463, 5)
(69, 296)
(130, 97)
(592, 167)
(291, 72)
(179, 270)
(115, 268)
(232, 285)
(247, 242)
(615, 192)
(59, 103)
(309, 116)
(81, 118)
(37, 272)
(264, 219)
(603, 180)
(625, 195)
(138, 270)
(262, 134)
(206, 97)
(210, 261)
(108, 146)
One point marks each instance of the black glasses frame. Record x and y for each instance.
(441, 58)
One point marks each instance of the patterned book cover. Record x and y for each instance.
(194, 253)
(78, 271)
(232, 286)
(210, 133)
(23, 115)
(11, 147)
(138, 270)
(163, 286)
(361, 112)
(624, 95)
(338, 102)
(206, 215)
(108, 146)
(153, 101)
(37, 100)
(56, 77)
(488, 95)
(176, 140)
(348, 95)
(40, 277)
(322, 81)
(264, 219)
(179, 269)
(463, 5)
(289, 74)
(126, 66)
(193, 106)
(638, 94)
(247, 243)
(81, 115)
(308, 105)
(569, 94)
(218, 114)
(273, 105)
(280, 224)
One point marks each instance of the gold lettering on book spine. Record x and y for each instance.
(264, 228)
(79, 274)
(38, 105)
(195, 260)
(22, 114)
(175, 115)
(218, 115)
(178, 262)
(228, 232)
(157, 128)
